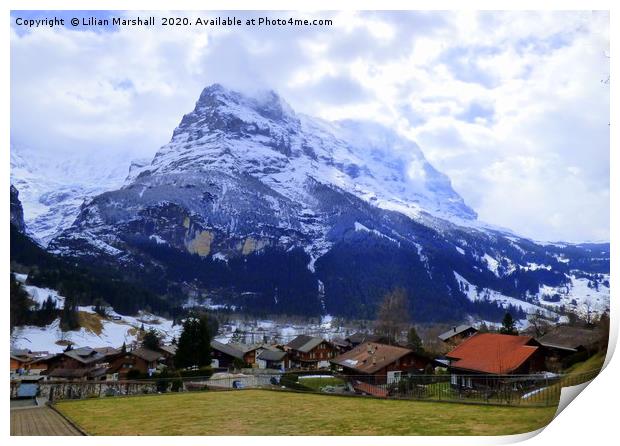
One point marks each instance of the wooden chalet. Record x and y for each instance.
(308, 352)
(377, 363)
(458, 334)
(142, 359)
(225, 355)
(360, 338)
(19, 360)
(562, 341)
(272, 359)
(493, 354)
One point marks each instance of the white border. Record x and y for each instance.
(591, 419)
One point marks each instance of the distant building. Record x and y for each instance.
(308, 352)
(457, 334)
(272, 359)
(359, 338)
(224, 355)
(78, 358)
(562, 341)
(571, 339)
(342, 345)
(19, 360)
(380, 363)
(143, 360)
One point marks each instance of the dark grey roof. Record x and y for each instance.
(271, 355)
(570, 338)
(170, 349)
(455, 331)
(85, 355)
(20, 352)
(339, 342)
(108, 351)
(360, 338)
(304, 343)
(146, 354)
(227, 349)
(68, 373)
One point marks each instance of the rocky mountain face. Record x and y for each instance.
(17, 212)
(253, 205)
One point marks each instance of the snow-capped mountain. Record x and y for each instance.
(254, 204)
(53, 188)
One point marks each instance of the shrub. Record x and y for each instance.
(177, 385)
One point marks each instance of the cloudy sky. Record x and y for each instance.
(513, 107)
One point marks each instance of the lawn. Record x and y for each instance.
(263, 412)
(593, 363)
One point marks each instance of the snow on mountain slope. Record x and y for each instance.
(53, 188)
(312, 216)
(265, 138)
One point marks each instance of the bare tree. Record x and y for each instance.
(538, 322)
(393, 315)
(587, 311)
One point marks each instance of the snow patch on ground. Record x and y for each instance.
(157, 239)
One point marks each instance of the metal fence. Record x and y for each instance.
(512, 390)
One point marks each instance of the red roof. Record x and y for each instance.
(369, 389)
(492, 353)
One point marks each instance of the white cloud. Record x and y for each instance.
(509, 105)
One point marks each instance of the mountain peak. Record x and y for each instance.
(259, 135)
(266, 103)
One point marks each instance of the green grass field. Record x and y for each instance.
(262, 412)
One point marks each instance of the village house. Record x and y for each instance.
(39, 365)
(168, 352)
(493, 354)
(75, 364)
(225, 355)
(80, 374)
(458, 334)
(341, 345)
(250, 353)
(80, 358)
(141, 360)
(359, 338)
(20, 360)
(380, 363)
(563, 341)
(308, 352)
(272, 359)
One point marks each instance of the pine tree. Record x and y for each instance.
(151, 339)
(413, 341)
(194, 344)
(69, 316)
(508, 325)
(20, 304)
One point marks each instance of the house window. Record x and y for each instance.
(453, 379)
